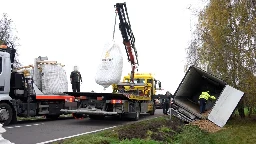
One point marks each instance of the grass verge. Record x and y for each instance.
(163, 131)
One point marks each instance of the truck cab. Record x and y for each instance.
(5, 72)
(146, 79)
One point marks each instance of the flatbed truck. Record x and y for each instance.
(125, 102)
(20, 97)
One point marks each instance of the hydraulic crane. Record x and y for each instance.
(128, 37)
(128, 98)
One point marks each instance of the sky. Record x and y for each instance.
(74, 33)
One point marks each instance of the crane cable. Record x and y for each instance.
(114, 27)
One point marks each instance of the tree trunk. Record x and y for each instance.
(249, 111)
(241, 109)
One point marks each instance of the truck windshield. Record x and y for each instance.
(1, 64)
(139, 80)
(136, 80)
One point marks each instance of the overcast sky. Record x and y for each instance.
(75, 32)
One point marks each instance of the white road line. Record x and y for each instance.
(19, 126)
(58, 139)
(54, 140)
(9, 127)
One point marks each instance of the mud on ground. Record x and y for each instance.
(158, 130)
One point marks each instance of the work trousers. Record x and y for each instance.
(165, 107)
(76, 86)
(202, 105)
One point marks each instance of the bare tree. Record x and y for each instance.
(8, 36)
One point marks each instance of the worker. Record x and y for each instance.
(203, 98)
(146, 91)
(121, 89)
(166, 102)
(75, 79)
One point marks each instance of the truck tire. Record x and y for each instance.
(96, 117)
(136, 116)
(53, 117)
(7, 114)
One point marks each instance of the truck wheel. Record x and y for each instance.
(96, 117)
(53, 117)
(5, 114)
(137, 116)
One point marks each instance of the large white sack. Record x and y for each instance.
(54, 79)
(110, 69)
(37, 78)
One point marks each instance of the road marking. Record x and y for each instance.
(54, 140)
(19, 126)
(58, 139)
(9, 127)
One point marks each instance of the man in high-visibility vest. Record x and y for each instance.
(146, 91)
(203, 98)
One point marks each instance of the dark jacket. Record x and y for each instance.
(167, 99)
(75, 76)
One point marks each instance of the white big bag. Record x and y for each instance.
(110, 69)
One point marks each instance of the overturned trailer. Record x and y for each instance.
(186, 98)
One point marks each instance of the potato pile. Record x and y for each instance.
(206, 125)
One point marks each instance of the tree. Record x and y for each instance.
(225, 43)
(8, 35)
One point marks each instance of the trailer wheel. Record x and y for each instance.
(5, 113)
(53, 117)
(96, 117)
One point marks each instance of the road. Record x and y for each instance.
(32, 132)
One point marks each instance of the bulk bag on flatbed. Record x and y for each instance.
(110, 69)
(54, 79)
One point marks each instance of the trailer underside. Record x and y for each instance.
(110, 104)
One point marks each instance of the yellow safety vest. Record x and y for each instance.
(146, 92)
(206, 96)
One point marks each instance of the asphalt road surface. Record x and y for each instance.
(37, 131)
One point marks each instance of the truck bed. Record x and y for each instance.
(193, 84)
(188, 105)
